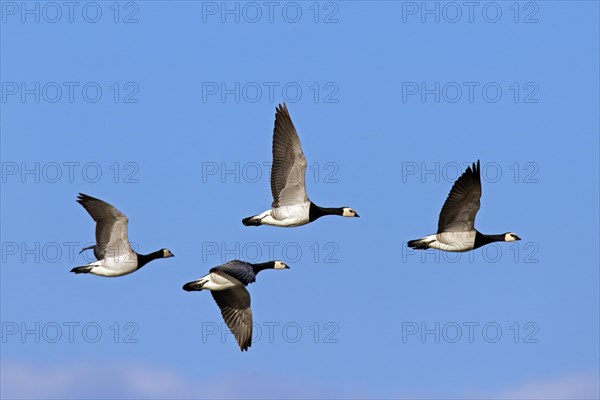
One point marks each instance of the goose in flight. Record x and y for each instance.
(227, 284)
(112, 249)
(456, 225)
(291, 206)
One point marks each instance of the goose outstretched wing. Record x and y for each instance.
(460, 209)
(111, 227)
(289, 164)
(235, 309)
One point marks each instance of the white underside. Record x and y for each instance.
(115, 266)
(452, 241)
(286, 216)
(215, 282)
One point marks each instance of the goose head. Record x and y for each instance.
(166, 253)
(349, 212)
(511, 237)
(280, 265)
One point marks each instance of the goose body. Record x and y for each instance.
(291, 206)
(113, 252)
(456, 225)
(285, 216)
(227, 284)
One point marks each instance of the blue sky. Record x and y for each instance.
(166, 111)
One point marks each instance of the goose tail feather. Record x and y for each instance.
(85, 269)
(251, 221)
(420, 244)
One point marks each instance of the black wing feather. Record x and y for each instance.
(240, 270)
(460, 209)
(235, 309)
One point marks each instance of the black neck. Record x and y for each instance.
(483, 239)
(262, 266)
(316, 212)
(144, 259)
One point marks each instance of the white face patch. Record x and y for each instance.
(508, 237)
(280, 265)
(348, 212)
(167, 253)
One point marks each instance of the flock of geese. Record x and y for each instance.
(290, 207)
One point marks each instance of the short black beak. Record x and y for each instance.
(356, 215)
(172, 255)
(516, 237)
(192, 286)
(286, 267)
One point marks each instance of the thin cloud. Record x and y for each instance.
(20, 380)
(85, 381)
(128, 381)
(582, 386)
